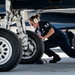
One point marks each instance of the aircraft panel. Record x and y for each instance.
(42, 4)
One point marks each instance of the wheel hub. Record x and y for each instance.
(31, 50)
(5, 50)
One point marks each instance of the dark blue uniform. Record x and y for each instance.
(57, 39)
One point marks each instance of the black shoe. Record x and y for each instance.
(55, 59)
(40, 61)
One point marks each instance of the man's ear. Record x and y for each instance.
(35, 20)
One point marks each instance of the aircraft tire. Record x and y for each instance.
(10, 50)
(35, 49)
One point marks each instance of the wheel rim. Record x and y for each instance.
(30, 52)
(5, 50)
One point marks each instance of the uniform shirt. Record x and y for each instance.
(44, 28)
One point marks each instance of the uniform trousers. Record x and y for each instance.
(62, 41)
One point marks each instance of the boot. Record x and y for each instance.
(55, 59)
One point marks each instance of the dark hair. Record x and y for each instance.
(37, 16)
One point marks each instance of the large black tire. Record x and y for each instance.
(10, 50)
(35, 49)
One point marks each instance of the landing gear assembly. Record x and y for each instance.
(25, 47)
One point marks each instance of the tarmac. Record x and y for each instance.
(64, 67)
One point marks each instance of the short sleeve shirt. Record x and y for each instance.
(44, 28)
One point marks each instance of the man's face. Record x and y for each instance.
(35, 25)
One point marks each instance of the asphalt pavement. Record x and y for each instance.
(64, 67)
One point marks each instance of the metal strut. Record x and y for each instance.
(21, 29)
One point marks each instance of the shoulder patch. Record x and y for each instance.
(46, 25)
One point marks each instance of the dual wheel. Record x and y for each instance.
(11, 53)
(35, 49)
